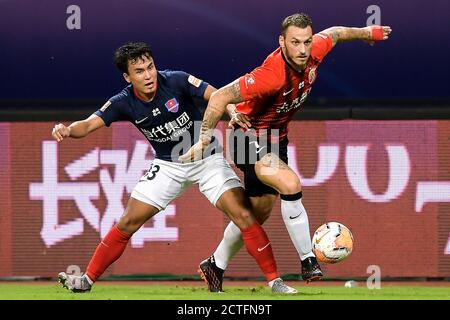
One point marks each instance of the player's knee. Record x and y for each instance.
(243, 218)
(245, 215)
(127, 224)
(290, 186)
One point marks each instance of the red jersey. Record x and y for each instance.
(274, 92)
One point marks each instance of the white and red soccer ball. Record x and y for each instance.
(332, 242)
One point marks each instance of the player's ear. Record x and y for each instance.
(281, 41)
(126, 76)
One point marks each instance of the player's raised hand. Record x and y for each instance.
(378, 33)
(60, 132)
(386, 32)
(240, 119)
(194, 153)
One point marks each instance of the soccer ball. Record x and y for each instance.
(332, 242)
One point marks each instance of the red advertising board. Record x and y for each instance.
(388, 181)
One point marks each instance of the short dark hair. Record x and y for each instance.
(300, 20)
(131, 52)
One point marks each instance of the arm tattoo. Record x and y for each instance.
(339, 34)
(334, 34)
(235, 92)
(210, 119)
(217, 106)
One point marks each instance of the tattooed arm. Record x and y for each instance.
(217, 106)
(368, 34)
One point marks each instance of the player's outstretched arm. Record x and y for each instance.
(369, 34)
(77, 129)
(217, 106)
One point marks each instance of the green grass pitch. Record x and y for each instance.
(180, 291)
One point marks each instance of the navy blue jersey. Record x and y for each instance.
(168, 120)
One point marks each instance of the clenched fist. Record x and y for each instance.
(60, 132)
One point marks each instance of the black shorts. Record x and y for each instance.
(245, 154)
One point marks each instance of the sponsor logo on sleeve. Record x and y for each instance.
(194, 81)
(249, 79)
(105, 106)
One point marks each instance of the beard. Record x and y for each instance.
(294, 60)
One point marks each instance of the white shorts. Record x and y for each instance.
(166, 180)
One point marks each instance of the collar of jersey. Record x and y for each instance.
(136, 94)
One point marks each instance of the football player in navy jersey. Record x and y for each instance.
(161, 105)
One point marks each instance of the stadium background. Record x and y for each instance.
(378, 114)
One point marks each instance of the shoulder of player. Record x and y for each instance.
(173, 78)
(123, 95)
(277, 65)
(119, 100)
(181, 80)
(319, 39)
(274, 59)
(171, 75)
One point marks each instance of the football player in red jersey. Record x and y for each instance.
(266, 100)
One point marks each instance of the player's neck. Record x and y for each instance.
(145, 97)
(296, 67)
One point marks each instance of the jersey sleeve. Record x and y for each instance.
(261, 82)
(322, 45)
(112, 110)
(189, 84)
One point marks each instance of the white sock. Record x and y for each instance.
(231, 243)
(296, 220)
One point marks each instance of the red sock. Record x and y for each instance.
(259, 247)
(108, 251)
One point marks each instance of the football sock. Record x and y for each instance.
(108, 251)
(296, 220)
(259, 247)
(231, 243)
(298, 228)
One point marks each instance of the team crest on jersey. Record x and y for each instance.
(312, 75)
(172, 105)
